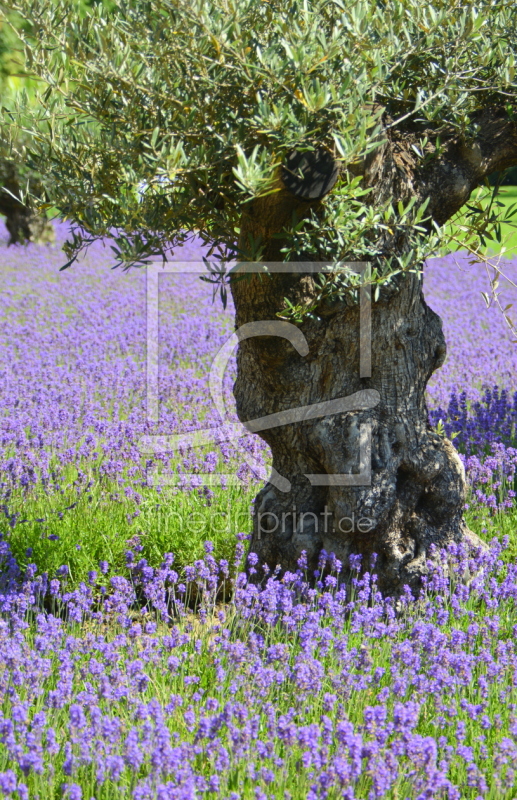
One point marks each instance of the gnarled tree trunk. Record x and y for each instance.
(416, 492)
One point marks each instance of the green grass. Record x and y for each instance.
(103, 522)
(508, 198)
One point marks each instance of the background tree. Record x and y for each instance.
(320, 130)
(21, 220)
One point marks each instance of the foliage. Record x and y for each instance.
(509, 178)
(160, 118)
(10, 52)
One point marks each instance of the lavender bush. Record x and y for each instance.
(287, 692)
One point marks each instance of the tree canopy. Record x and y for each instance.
(159, 118)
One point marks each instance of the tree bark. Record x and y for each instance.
(416, 494)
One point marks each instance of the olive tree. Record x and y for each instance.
(315, 132)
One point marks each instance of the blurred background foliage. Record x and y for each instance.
(13, 74)
(509, 178)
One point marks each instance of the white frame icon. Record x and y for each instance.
(360, 401)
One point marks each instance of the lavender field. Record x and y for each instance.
(112, 686)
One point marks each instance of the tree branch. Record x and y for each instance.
(464, 165)
(454, 168)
